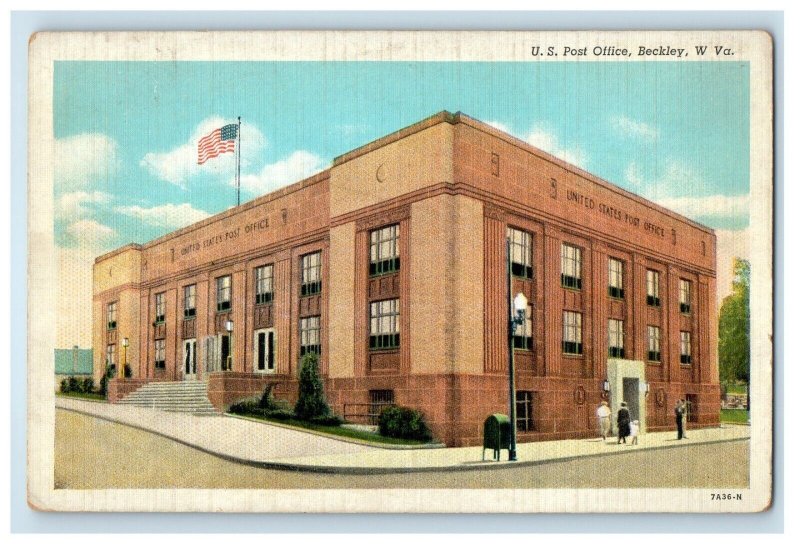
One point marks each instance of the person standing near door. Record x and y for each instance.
(623, 423)
(604, 419)
(686, 408)
(679, 413)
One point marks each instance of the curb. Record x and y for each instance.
(348, 470)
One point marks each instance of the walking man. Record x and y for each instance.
(679, 411)
(604, 419)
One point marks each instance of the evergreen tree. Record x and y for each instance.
(311, 399)
(734, 327)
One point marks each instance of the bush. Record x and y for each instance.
(401, 422)
(244, 407)
(72, 384)
(269, 402)
(331, 420)
(311, 397)
(64, 387)
(253, 408)
(87, 385)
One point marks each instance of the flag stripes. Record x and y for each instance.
(221, 140)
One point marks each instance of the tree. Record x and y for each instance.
(734, 327)
(311, 401)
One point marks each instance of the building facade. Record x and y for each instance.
(391, 265)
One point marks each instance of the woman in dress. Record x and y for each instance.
(623, 423)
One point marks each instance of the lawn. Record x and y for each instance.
(86, 396)
(736, 388)
(733, 416)
(337, 431)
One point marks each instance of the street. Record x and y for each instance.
(91, 453)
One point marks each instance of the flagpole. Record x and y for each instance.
(238, 161)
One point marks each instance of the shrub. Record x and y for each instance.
(331, 420)
(244, 407)
(401, 422)
(311, 398)
(72, 384)
(103, 385)
(64, 387)
(87, 386)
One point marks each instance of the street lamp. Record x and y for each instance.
(229, 328)
(516, 318)
(125, 343)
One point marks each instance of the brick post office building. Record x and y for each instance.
(391, 265)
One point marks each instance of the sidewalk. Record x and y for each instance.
(268, 446)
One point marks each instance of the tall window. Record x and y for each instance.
(309, 336)
(573, 333)
(311, 274)
(686, 348)
(521, 253)
(111, 355)
(652, 288)
(223, 293)
(653, 343)
(265, 350)
(161, 307)
(616, 338)
(523, 334)
(615, 279)
(160, 354)
(111, 316)
(384, 250)
(570, 266)
(686, 296)
(263, 284)
(384, 324)
(189, 301)
(524, 410)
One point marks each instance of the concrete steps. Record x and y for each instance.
(187, 397)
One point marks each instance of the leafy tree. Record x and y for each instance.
(311, 401)
(734, 327)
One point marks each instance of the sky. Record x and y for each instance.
(126, 138)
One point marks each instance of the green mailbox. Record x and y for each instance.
(496, 434)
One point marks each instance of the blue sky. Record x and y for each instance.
(126, 132)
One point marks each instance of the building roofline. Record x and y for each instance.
(117, 251)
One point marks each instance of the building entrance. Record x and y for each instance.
(626, 381)
(630, 394)
(190, 359)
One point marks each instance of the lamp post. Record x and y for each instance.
(121, 373)
(516, 318)
(229, 328)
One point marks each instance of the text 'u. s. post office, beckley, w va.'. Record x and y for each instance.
(391, 265)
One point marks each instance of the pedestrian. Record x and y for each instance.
(686, 408)
(679, 411)
(623, 423)
(604, 419)
(635, 432)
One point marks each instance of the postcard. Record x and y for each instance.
(351, 271)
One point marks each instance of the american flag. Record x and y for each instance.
(221, 140)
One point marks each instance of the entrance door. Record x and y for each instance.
(190, 359)
(225, 352)
(630, 394)
(264, 351)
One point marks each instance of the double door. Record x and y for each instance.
(190, 359)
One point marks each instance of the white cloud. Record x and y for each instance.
(74, 323)
(549, 142)
(90, 233)
(169, 216)
(730, 244)
(502, 127)
(179, 164)
(676, 176)
(628, 127)
(720, 206)
(299, 165)
(84, 158)
(76, 205)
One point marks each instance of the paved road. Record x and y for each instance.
(93, 453)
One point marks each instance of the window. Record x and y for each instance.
(521, 243)
(616, 338)
(223, 293)
(265, 350)
(263, 284)
(311, 274)
(573, 334)
(378, 400)
(111, 355)
(686, 296)
(686, 348)
(524, 410)
(161, 307)
(384, 324)
(384, 250)
(615, 279)
(160, 355)
(653, 343)
(652, 288)
(523, 334)
(189, 301)
(309, 336)
(111, 316)
(570, 266)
